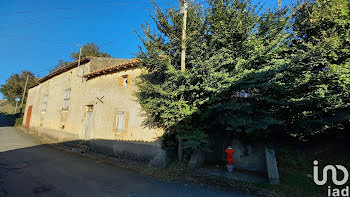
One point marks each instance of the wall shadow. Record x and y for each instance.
(143, 152)
(41, 170)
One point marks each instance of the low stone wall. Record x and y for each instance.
(247, 156)
(142, 152)
(147, 153)
(53, 135)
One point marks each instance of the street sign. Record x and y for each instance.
(17, 99)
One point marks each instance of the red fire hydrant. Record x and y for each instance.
(229, 158)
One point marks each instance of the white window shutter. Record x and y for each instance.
(120, 121)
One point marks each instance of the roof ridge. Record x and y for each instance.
(64, 68)
(132, 62)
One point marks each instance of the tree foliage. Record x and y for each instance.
(59, 64)
(89, 49)
(317, 90)
(15, 85)
(248, 72)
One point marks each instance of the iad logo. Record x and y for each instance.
(335, 191)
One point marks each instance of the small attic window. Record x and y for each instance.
(124, 81)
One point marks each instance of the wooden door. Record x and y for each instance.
(29, 115)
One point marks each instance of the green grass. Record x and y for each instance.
(7, 108)
(8, 111)
(18, 121)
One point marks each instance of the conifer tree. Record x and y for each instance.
(225, 43)
(248, 72)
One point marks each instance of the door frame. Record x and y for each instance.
(29, 115)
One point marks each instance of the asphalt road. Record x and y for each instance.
(28, 168)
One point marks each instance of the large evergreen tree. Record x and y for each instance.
(315, 85)
(248, 73)
(226, 43)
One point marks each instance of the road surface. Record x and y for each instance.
(28, 168)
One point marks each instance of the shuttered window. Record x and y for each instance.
(66, 99)
(44, 106)
(121, 121)
(124, 81)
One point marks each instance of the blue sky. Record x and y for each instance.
(35, 34)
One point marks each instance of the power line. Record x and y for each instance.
(123, 36)
(63, 9)
(31, 38)
(110, 42)
(134, 31)
(70, 18)
(73, 7)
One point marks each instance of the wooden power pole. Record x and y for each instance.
(183, 43)
(183, 61)
(24, 93)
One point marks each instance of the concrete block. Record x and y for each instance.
(271, 166)
(197, 159)
(249, 156)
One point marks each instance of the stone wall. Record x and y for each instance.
(248, 156)
(141, 152)
(104, 98)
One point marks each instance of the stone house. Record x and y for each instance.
(2, 102)
(93, 100)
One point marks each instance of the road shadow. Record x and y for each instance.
(7, 120)
(31, 169)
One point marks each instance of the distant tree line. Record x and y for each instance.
(15, 84)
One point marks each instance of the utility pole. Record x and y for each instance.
(183, 61)
(16, 106)
(183, 44)
(82, 79)
(79, 54)
(24, 92)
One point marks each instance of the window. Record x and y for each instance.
(66, 99)
(124, 81)
(43, 108)
(121, 121)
